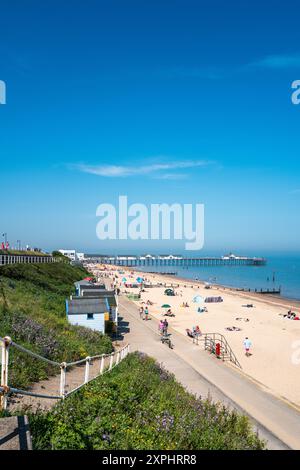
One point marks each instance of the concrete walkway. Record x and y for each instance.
(14, 433)
(278, 422)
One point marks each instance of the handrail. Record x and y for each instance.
(31, 353)
(5, 390)
(225, 348)
(10, 390)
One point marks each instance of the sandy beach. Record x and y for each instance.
(275, 339)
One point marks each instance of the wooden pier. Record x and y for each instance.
(174, 260)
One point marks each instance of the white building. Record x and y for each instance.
(72, 255)
(91, 313)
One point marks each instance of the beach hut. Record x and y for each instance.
(111, 297)
(80, 284)
(91, 313)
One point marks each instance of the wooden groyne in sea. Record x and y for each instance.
(164, 273)
(274, 291)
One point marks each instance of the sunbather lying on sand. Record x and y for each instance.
(194, 332)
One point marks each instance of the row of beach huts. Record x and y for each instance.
(93, 306)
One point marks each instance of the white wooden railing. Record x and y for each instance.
(6, 343)
(27, 259)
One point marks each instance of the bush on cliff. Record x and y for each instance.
(140, 406)
(32, 312)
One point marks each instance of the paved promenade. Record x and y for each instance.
(278, 422)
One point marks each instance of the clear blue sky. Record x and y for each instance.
(101, 93)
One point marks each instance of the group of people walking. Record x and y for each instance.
(163, 326)
(144, 313)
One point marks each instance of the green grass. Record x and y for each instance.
(140, 406)
(33, 313)
(22, 253)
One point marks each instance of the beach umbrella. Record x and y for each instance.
(166, 306)
(139, 279)
(124, 279)
(198, 299)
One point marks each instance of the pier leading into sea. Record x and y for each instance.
(174, 260)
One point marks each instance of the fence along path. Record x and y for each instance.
(46, 393)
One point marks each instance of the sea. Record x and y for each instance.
(281, 271)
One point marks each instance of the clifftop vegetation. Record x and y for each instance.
(32, 312)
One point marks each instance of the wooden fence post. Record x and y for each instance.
(111, 361)
(87, 369)
(63, 368)
(102, 364)
(118, 357)
(4, 371)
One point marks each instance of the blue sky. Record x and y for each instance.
(164, 101)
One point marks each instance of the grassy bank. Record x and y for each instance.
(32, 312)
(22, 253)
(140, 406)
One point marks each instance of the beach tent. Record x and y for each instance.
(198, 299)
(169, 292)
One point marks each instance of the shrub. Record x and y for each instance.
(32, 312)
(139, 405)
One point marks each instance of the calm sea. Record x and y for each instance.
(280, 271)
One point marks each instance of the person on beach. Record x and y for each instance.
(198, 331)
(161, 327)
(146, 313)
(247, 346)
(141, 312)
(165, 327)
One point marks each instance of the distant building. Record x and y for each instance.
(71, 254)
(91, 313)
